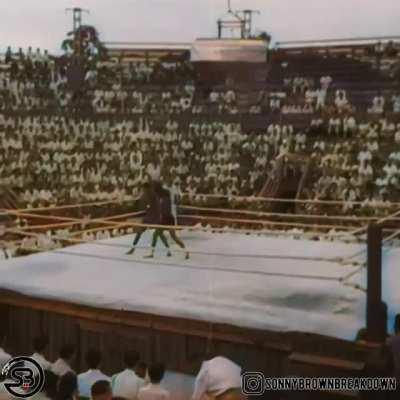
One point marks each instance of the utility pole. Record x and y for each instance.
(76, 25)
(242, 20)
(376, 312)
(247, 22)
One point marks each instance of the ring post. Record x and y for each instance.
(376, 326)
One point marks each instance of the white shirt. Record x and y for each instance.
(60, 367)
(126, 384)
(153, 392)
(41, 360)
(4, 357)
(216, 376)
(154, 171)
(87, 379)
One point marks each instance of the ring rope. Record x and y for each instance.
(280, 200)
(69, 206)
(388, 217)
(196, 267)
(287, 215)
(220, 196)
(230, 255)
(380, 221)
(391, 237)
(116, 225)
(261, 222)
(74, 221)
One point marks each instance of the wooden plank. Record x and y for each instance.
(345, 365)
(131, 318)
(188, 340)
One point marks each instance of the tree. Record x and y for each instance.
(264, 36)
(84, 42)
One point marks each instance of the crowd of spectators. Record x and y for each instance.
(56, 157)
(218, 378)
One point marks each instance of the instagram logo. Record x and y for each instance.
(253, 383)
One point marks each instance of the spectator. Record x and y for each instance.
(394, 346)
(88, 378)
(153, 391)
(67, 387)
(49, 389)
(101, 390)
(218, 376)
(127, 383)
(325, 82)
(4, 356)
(62, 365)
(141, 370)
(39, 346)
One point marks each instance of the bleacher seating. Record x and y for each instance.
(130, 120)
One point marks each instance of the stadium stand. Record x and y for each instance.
(131, 120)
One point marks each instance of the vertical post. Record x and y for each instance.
(376, 329)
(219, 23)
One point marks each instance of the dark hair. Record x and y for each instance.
(397, 323)
(93, 358)
(156, 372)
(131, 358)
(100, 387)
(67, 385)
(66, 351)
(140, 369)
(40, 343)
(50, 384)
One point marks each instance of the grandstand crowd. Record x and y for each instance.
(52, 154)
(218, 378)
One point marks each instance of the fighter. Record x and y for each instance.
(167, 219)
(152, 216)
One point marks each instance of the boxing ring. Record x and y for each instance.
(255, 287)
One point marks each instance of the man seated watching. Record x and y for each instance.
(101, 390)
(153, 391)
(127, 383)
(62, 365)
(92, 375)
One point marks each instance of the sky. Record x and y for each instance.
(44, 23)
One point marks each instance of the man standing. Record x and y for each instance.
(152, 216)
(167, 219)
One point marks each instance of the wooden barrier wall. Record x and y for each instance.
(181, 343)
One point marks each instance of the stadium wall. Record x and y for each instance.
(181, 343)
